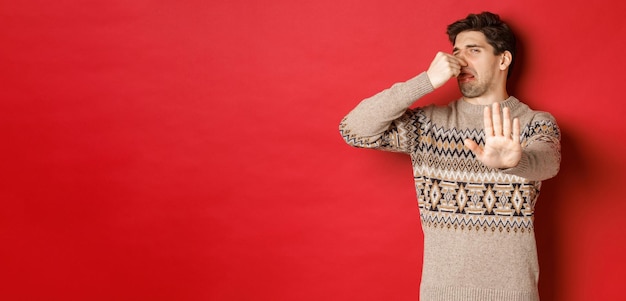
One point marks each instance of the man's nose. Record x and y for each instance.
(461, 56)
(463, 61)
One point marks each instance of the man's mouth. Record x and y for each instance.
(465, 76)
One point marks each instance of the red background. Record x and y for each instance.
(188, 150)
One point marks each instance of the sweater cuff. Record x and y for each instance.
(419, 86)
(521, 167)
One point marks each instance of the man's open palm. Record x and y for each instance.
(502, 139)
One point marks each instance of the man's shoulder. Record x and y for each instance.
(531, 113)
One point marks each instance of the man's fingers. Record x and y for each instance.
(506, 122)
(452, 63)
(473, 146)
(443, 67)
(488, 122)
(516, 131)
(497, 120)
(462, 62)
(457, 64)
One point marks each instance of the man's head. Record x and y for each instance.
(486, 48)
(497, 33)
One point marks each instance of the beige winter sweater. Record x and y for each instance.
(479, 241)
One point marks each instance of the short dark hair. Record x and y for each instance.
(498, 34)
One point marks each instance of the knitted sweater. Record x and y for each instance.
(479, 241)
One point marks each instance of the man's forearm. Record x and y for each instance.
(374, 115)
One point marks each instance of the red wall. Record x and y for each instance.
(188, 150)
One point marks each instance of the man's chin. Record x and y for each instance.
(469, 91)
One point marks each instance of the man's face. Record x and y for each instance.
(478, 77)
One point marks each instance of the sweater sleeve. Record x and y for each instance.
(377, 122)
(541, 149)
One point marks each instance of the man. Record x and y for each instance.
(478, 164)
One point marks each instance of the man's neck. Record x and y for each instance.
(488, 99)
(495, 93)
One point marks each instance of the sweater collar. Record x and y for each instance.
(463, 106)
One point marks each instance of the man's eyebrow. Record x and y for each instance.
(455, 49)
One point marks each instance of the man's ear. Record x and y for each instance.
(505, 60)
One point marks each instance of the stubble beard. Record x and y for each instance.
(472, 90)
